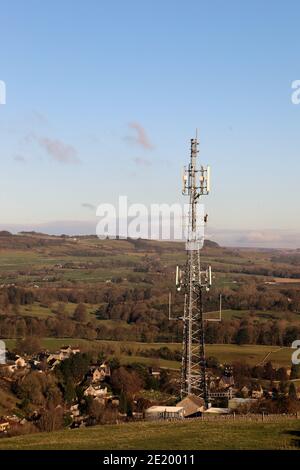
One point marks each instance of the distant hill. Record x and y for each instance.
(211, 244)
(33, 233)
(32, 238)
(5, 233)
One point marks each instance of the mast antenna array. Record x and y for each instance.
(193, 282)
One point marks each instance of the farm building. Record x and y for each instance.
(192, 406)
(164, 412)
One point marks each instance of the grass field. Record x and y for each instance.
(292, 317)
(187, 435)
(225, 353)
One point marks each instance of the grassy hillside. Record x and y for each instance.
(225, 353)
(51, 261)
(188, 435)
(60, 271)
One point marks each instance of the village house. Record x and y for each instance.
(11, 423)
(257, 391)
(96, 392)
(4, 425)
(192, 406)
(155, 372)
(20, 362)
(17, 364)
(99, 373)
(52, 362)
(74, 410)
(64, 353)
(226, 382)
(16, 359)
(105, 369)
(67, 351)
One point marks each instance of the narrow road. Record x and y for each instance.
(269, 353)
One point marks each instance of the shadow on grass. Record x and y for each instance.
(295, 442)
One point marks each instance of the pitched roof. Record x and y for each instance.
(227, 380)
(191, 404)
(4, 421)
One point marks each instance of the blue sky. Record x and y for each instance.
(103, 97)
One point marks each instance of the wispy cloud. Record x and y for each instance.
(259, 237)
(140, 137)
(255, 238)
(87, 205)
(58, 150)
(40, 118)
(141, 161)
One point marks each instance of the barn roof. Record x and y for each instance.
(191, 405)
